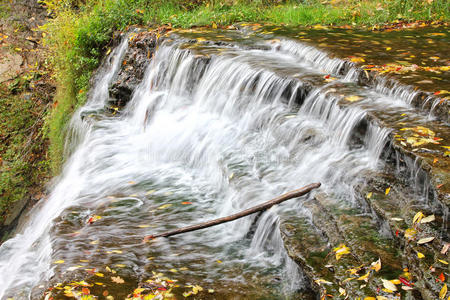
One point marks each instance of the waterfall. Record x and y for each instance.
(221, 134)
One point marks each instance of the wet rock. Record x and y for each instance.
(140, 51)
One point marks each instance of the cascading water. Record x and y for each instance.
(202, 137)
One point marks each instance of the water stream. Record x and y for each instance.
(200, 139)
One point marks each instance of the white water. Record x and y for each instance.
(225, 141)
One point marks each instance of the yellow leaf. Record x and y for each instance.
(388, 285)
(341, 250)
(173, 270)
(342, 292)
(214, 25)
(370, 298)
(395, 281)
(387, 191)
(143, 226)
(443, 261)
(425, 240)
(357, 59)
(320, 281)
(59, 262)
(117, 279)
(369, 195)
(165, 206)
(365, 277)
(410, 233)
(428, 219)
(99, 274)
(443, 292)
(388, 48)
(376, 265)
(418, 217)
(420, 255)
(353, 98)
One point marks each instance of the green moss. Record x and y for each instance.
(20, 147)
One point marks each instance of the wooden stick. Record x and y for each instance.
(266, 205)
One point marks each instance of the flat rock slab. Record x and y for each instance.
(10, 65)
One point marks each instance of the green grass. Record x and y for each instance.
(78, 35)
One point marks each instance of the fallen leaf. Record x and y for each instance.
(353, 98)
(418, 216)
(428, 219)
(389, 285)
(365, 277)
(420, 255)
(445, 248)
(186, 202)
(410, 233)
(59, 262)
(443, 292)
(425, 240)
(442, 277)
(387, 191)
(341, 250)
(320, 281)
(165, 206)
(443, 261)
(117, 279)
(376, 265)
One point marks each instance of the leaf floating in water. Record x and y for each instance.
(117, 279)
(365, 277)
(357, 59)
(428, 219)
(389, 285)
(443, 292)
(320, 281)
(150, 192)
(425, 240)
(410, 233)
(341, 250)
(165, 206)
(376, 265)
(93, 219)
(59, 262)
(353, 98)
(418, 217)
(186, 202)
